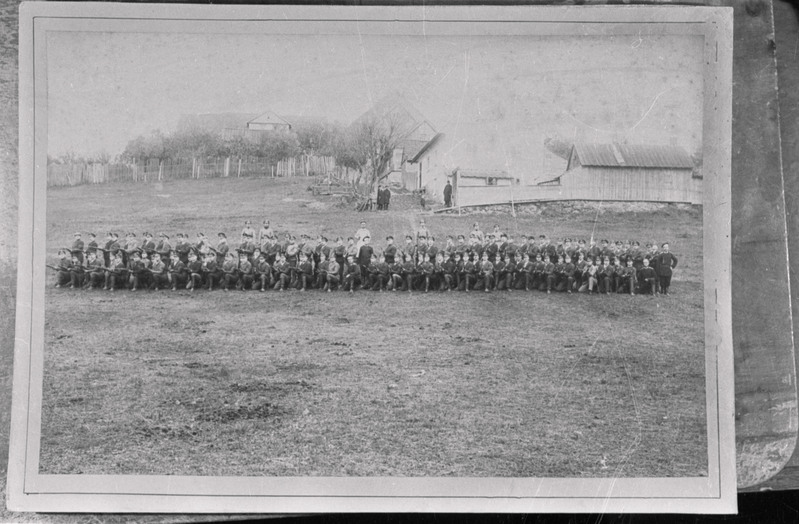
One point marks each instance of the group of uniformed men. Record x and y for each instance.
(262, 261)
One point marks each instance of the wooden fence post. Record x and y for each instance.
(160, 169)
(238, 174)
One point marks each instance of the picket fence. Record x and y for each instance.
(78, 173)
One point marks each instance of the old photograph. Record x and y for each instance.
(348, 249)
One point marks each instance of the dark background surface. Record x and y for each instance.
(768, 128)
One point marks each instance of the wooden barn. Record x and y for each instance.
(626, 172)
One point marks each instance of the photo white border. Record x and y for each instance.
(28, 490)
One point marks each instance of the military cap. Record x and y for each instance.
(222, 235)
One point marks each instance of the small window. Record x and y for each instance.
(491, 181)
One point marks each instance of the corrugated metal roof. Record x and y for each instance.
(632, 155)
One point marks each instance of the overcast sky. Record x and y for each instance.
(106, 88)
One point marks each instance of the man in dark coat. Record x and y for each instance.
(386, 198)
(379, 199)
(448, 195)
(666, 262)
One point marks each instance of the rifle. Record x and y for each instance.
(57, 268)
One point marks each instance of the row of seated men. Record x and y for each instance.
(468, 272)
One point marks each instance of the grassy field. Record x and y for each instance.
(294, 383)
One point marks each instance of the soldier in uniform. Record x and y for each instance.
(158, 270)
(448, 271)
(116, 272)
(230, 271)
(77, 247)
(340, 254)
(606, 275)
(222, 249)
(666, 262)
(539, 273)
(365, 253)
(395, 274)
(425, 270)
(590, 276)
(211, 270)
(182, 248)
(92, 247)
(550, 275)
(383, 275)
(262, 273)
(282, 271)
(499, 272)
(245, 272)
(568, 273)
(408, 272)
(62, 270)
(95, 270)
(76, 272)
(305, 272)
(486, 272)
(333, 274)
(352, 274)
(390, 252)
(625, 278)
(431, 249)
(136, 269)
(524, 272)
(647, 278)
(195, 271)
(178, 273)
(321, 272)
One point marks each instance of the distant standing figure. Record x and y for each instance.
(386, 198)
(381, 197)
(448, 195)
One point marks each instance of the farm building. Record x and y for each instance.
(416, 137)
(269, 121)
(610, 172)
(656, 173)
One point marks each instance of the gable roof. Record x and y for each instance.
(415, 149)
(394, 105)
(630, 155)
(269, 118)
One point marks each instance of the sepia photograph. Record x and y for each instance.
(377, 248)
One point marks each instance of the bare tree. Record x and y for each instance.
(371, 146)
